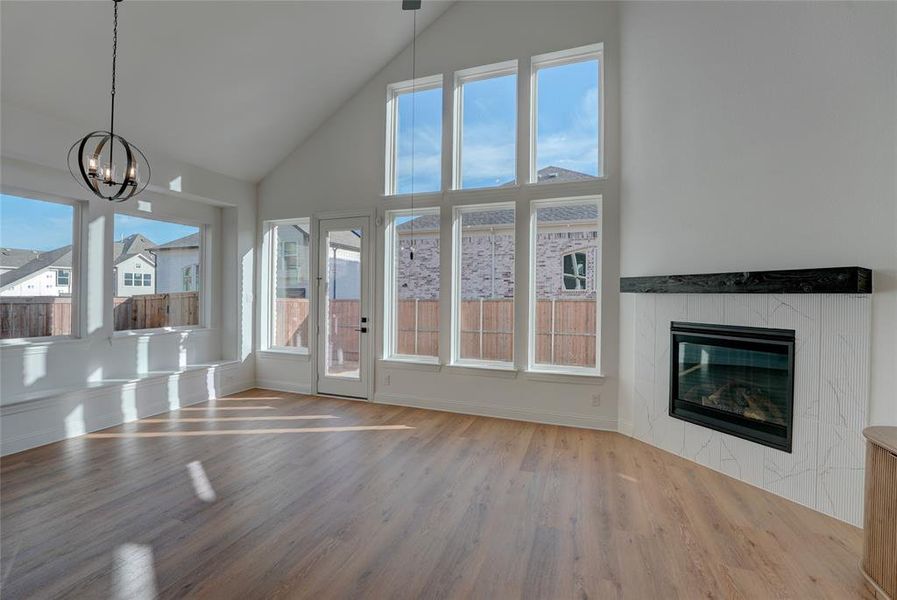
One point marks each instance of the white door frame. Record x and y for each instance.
(366, 359)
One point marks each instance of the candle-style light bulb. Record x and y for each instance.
(109, 173)
(93, 164)
(133, 173)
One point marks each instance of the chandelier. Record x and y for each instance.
(90, 159)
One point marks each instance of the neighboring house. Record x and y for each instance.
(134, 266)
(292, 262)
(178, 265)
(566, 261)
(13, 258)
(46, 274)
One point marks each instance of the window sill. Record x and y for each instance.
(159, 331)
(38, 342)
(486, 369)
(584, 378)
(282, 354)
(395, 362)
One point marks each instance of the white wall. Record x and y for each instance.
(762, 136)
(42, 283)
(33, 155)
(341, 166)
(136, 265)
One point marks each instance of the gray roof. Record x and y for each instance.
(551, 173)
(60, 257)
(13, 258)
(123, 257)
(135, 243)
(188, 241)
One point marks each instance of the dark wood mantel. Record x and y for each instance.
(831, 280)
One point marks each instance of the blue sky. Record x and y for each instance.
(567, 128)
(159, 232)
(38, 225)
(34, 224)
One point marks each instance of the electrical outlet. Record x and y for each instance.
(386, 380)
(596, 400)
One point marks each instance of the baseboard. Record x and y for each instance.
(283, 386)
(625, 427)
(501, 412)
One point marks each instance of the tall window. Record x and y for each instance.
(157, 266)
(566, 109)
(412, 284)
(288, 283)
(37, 270)
(565, 281)
(483, 307)
(414, 136)
(486, 126)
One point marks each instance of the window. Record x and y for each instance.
(565, 282)
(575, 264)
(37, 258)
(288, 285)
(167, 254)
(414, 136)
(486, 126)
(412, 284)
(483, 307)
(566, 115)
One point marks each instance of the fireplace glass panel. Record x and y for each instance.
(753, 384)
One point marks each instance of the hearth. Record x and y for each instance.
(739, 380)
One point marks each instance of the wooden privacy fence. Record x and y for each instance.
(156, 310)
(565, 329)
(35, 316)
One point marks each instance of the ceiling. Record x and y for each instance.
(229, 86)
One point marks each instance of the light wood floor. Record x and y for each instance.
(319, 498)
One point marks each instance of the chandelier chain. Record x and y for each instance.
(114, 60)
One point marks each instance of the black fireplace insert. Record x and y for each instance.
(739, 380)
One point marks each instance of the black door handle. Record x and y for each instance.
(362, 329)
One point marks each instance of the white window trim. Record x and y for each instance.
(390, 297)
(508, 67)
(532, 366)
(457, 235)
(76, 287)
(393, 91)
(269, 279)
(555, 59)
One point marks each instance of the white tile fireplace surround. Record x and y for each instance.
(831, 383)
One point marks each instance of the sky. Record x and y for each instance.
(567, 128)
(39, 225)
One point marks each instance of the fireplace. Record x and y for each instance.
(739, 380)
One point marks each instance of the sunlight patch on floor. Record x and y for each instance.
(154, 434)
(135, 574)
(201, 484)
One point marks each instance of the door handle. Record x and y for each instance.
(362, 329)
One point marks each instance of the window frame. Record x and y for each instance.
(270, 247)
(204, 308)
(473, 74)
(393, 91)
(456, 288)
(532, 365)
(390, 297)
(557, 59)
(584, 277)
(76, 287)
(63, 273)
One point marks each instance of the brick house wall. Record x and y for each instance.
(483, 278)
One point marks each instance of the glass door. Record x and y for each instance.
(343, 297)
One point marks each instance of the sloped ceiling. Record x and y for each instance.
(229, 86)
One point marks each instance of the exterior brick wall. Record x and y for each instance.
(481, 278)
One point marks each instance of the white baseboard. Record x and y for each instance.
(283, 386)
(501, 412)
(625, 427)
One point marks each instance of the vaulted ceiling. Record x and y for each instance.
(229, 86)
